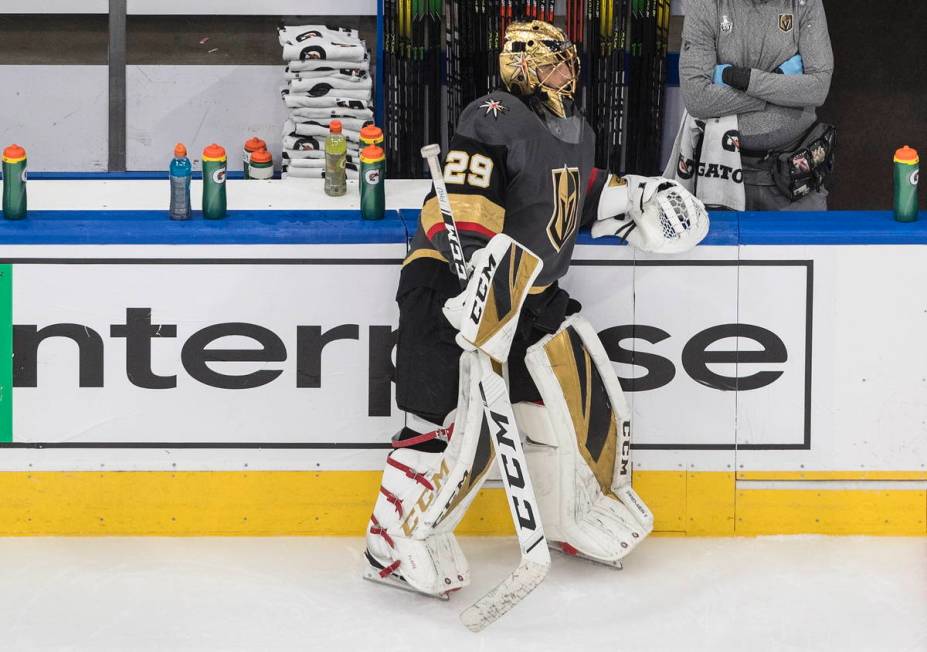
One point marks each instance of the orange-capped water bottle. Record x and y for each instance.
(907, 172)
(14, 182)
(214, 168)
(252, 145)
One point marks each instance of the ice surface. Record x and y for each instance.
(781, 593)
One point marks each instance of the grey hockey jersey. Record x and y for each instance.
(508, 170)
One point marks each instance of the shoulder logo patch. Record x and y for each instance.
(785, 22)
(493, 106)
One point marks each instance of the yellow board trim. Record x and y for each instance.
(810, 511)
(286, 503)
(831, 475)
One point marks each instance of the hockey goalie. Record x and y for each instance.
(520, 182)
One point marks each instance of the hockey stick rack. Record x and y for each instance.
(440, 55)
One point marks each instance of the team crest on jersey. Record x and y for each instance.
(563, 221)
(726, 24)
(493, 106)
(785, 22)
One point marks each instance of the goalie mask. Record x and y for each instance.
(538, 59)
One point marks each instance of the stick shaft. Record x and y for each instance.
(458, 264)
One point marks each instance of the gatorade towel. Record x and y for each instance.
(325, 90)
(332, 112)
(347, 74)
(291, 34)
(315, 173)
(306, 102)
(321, 65)
(323, 48)
(293, 156)
(323, 85)
(318, 130)
(349, 124)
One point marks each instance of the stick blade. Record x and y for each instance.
(512, 590)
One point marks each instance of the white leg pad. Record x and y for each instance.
(423, 496)
(578, 447)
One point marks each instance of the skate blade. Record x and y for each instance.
(576, 554)
(373, 575)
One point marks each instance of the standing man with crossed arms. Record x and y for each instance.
(770, 63)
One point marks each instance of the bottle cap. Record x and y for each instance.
(334, 127)
(14, 154)
(372, 134)
(214, 153)
(254, 144)
(180, 150)
(372, 154)
(261, 156)
(906, 155)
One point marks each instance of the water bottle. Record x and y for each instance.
(214, 167)
(262, 165)
(336, 152)
(180, 174)
(907, 171)
(14, 182)
(252, 145)
(372, 201)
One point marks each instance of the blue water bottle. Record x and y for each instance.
(181, 171)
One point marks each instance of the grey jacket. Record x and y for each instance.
(776, 110)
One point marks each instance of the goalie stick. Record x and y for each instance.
(510, 457)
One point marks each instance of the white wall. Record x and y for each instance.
(199, 105)
(58, 113)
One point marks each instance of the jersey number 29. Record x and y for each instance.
(457, 163)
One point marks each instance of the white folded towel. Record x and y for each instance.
(341, 82)
(303, 101)
(331, 112)
(325, 64)
(323, 48)
(292, 34)
(314, 173)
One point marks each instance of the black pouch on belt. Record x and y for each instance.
(803, 171)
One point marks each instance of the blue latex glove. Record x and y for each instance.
(793, 66)
(719, 69)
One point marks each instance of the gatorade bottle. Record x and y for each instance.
(252, 145)
(372, 189)
(336, 152)
(180, 174)
(14, 182)
(214, 166)
(262, 165)
(371, 135)
(907, 171)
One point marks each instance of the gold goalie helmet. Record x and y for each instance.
(539, 58)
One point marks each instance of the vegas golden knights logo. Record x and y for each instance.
(563, 222)
(785, 22)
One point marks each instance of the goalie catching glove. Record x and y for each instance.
(652, 214)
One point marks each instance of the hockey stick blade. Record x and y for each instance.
(510, 592)
(513, 467)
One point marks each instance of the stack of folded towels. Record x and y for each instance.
(328, 78)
